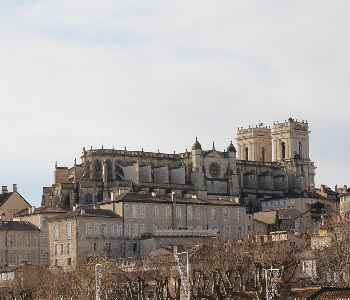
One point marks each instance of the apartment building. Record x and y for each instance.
(19, 243)
(82, 232)
(39, 217)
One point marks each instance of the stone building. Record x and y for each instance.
(271, 162)
(82, 232)
(39, 217)
(174, 221)
(11, 203)
(19, 243)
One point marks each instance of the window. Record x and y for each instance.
(119, 230)
(94, 246)
(46, 257)
(56, 262)
(214, 213)
(178, 212)
(199, 213)
(246, 153)
(69, 231)
(62, 249)
(135, 211)
(283, 150)
(226, 231)
(225, 213)
(2, 243)
(249, 228)
(134, 247)
(126, 210)
(56, 249)
(46, 241)
(104, 230)
(239, 214)
(25, 258)
(189, 213)
(56, 232)
(88, 229)
(111, 230)
(142, 211)
(142, 229)
(108, 247)
(10, 241)
(127, 230)
(28, 240)
(69, 248)
(168, 212)
(69, 261)
(19, 240)
(156, 212)
(45, 223)
(263, 154)
(135, 232)
(239, 233)
(96, 229)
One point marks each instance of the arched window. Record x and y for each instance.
(263, 154)
(246, 153)
(283, 146)
(97, 169)
(87, 198)
(119, 173)
(300, 149)
(109, 170)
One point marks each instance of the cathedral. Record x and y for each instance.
(268, 162)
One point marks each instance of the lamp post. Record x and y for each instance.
(98, 275)
(271, 277)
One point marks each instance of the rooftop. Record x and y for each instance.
(17, 225)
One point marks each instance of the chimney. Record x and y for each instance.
(14, 187)
(4, 189)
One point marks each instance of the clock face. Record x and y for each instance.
(214, 170)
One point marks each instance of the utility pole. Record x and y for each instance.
(184, 271)
(98, 275)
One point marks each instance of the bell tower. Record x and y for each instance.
(291, 140)
(291, 150)
(254, 143)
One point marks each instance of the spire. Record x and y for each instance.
(213, 145)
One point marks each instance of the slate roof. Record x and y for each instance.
(17, 225)
(86, 212)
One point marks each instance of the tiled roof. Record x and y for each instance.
(17, 225)
(87, 212)
(41, 210)
(331, 293)
(167, 199)
(268, 217)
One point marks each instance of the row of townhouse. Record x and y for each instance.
(132, 224)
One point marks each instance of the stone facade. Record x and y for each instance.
(19, 243)
(39, 217)
(11, 203)
(270, 162)
(82, 232)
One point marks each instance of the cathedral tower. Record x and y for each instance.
(291, 140)
(254, 143)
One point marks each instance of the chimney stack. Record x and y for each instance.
(4, 189)
(14, 187)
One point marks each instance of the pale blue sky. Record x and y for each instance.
(156, 74)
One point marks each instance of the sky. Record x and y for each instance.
(156, 74)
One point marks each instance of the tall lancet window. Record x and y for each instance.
(283, 150)
(246, 153)
(300, 149)
(263, 154)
